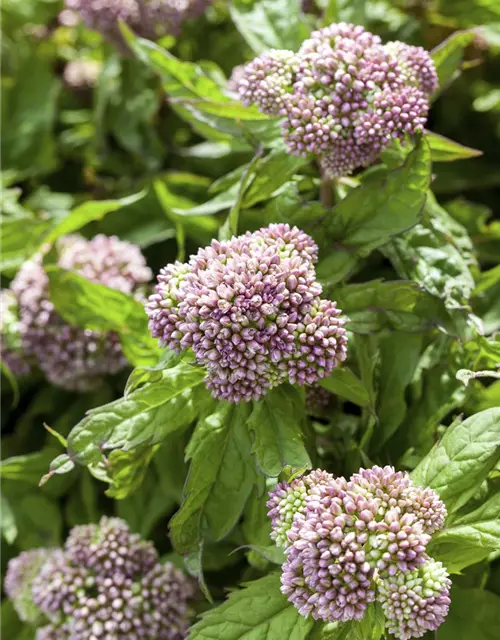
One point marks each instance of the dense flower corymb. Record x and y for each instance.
(150, 19)
(251, 311)
(72, 357)
(350, 542)
(344, 96)
(107, 583)
(21, 572)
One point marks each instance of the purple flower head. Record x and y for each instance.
(21, 572)
(250, 309)
(72, 357)
(107, 582)
(288, 501)
(415, 602)
(147, 18)
(267, 80)
(345, 96)
(341, 537)
(12, 352)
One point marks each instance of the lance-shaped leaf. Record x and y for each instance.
(438, 254)
(270, 24)
(446, 150)
(461, 461)
(94, 306)
(220, 479)
(144, 417)
(448, 57)
(469, 538)
(259, 611)
(276, 426)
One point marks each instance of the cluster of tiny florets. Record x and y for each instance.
(416, 601)
(21, 571)
(251, 311)
(70, 356)
(351, 542)
(12, 352)
(150, 19)
(344, 96)
(106, 583)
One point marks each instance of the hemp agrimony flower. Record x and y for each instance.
(344, 96)
(351, 542)
(72, 357)
(251, 310)
(105, 583)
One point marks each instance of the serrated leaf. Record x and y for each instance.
(270, 24)
(380, 208)
(199, 100)
(461, 461)
(126, 470)
(259, 611)
(276, 424)
(376, 305)
(144, 417)
(446, 150)
(346, 384)
(469, 538)
(94, 306)
(220, 479)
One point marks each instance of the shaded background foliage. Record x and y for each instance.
(66, 149)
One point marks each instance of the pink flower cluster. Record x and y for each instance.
(250, 310)
(147, 18)
(351, 542)
(69, 356)
(105, 583)
(344, 96)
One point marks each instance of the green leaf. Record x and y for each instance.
(276, 427)
(144, 417)
(199, 100)
(373, 306)
(20, 234)
(259, 611)
(380, 208)
(271, 174)
(270, 24)
(126, 470)
(89, 212)
(448, 56)
(399, 356)
(7, 521)
(469, 538)
(28, 117)
(474, 614)
(346, 384)
(27, 468)
(94, 306)
(446, 150)
(220, 479)
(461, 461)
(438, 255)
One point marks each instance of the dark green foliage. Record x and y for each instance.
(160, 152)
